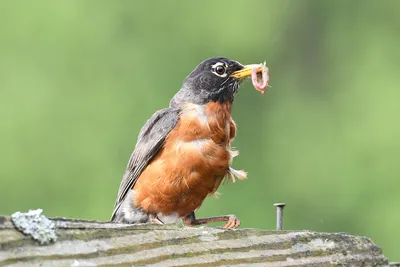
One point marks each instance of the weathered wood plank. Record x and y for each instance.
(91, 243)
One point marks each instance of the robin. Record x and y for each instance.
(183, 152)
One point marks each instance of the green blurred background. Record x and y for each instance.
(78, 79)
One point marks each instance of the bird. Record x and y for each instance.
(183, 152)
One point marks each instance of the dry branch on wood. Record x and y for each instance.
(91, 243)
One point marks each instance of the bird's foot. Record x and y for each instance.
(154, 219)
(232, 222)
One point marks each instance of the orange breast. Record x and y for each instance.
(192, 163)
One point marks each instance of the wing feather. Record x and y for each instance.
(150, 140)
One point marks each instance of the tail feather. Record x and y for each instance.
(126, 212)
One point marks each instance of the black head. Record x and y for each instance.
(210, 81)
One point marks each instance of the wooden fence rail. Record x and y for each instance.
(92, 243)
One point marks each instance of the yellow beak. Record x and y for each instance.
(246, 71)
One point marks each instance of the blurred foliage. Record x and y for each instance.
(78, 79)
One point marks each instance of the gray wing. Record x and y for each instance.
(150, 140)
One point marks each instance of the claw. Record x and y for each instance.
(233, 222)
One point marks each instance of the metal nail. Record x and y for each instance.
(279, 215)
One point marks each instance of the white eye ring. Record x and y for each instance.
(219, 69)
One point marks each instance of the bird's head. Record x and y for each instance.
(215, 79)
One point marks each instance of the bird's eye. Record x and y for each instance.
(220, 69)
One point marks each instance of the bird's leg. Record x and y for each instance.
(232, 221)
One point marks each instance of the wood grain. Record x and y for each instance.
(92, 243)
